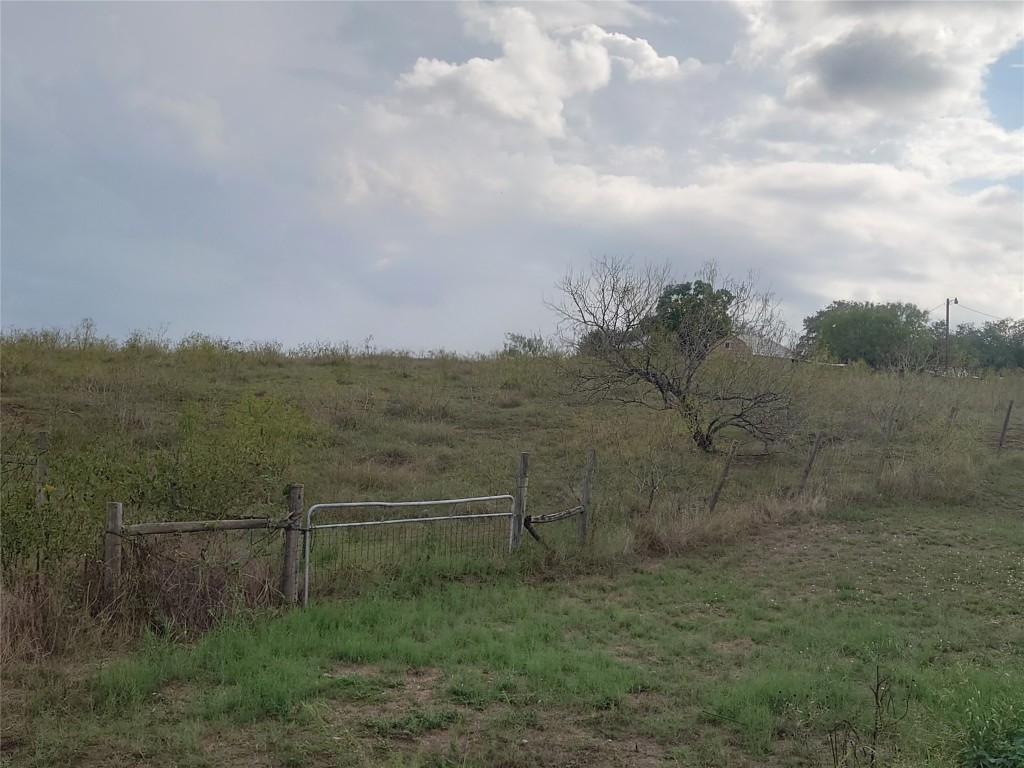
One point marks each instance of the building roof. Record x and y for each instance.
(765, 347)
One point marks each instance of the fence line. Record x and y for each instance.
(713, 501)
(810, 463)
(519, 507)
(585, 491)
(1006, 426)
(348, 552)
(292, 532)
(582, 509)
(117, 532)
(298, 526)
(295, 554)
(40, 470)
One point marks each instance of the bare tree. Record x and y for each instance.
(707, 350)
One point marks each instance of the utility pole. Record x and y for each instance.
(955, 301)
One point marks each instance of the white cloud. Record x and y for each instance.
(903, 58)
(640, 60)
(413, 173)
(891, 83)
(959, 148)
(817, 171)
(603, 13)
(542, 65)
(533, 77)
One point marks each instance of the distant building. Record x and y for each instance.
(742, 344)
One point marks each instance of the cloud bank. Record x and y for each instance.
(423, 174)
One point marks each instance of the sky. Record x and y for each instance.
(424, 173)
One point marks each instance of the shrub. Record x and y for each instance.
(994, 735)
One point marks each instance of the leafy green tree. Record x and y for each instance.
(997, 345)
(695, 316)
(696, 309)
(878, 334)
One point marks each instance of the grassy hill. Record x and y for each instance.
(746, 636)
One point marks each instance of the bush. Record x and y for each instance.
(535, 345)
(994, 736)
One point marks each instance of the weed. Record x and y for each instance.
(849, 747)
(993, 734)
(412, 725)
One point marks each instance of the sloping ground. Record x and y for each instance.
(755, 654)
(1004, 487)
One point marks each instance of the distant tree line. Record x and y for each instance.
(884, 335)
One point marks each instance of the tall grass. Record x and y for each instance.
(207, 428)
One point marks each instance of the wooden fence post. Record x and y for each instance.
(588, 481)
(292, 536)
(519, 507)
(40, 474)
(810, 463)
(112, 549)
(1006, 426)
(713, 501)
(952, 415)
(42, 470)
(885, 449)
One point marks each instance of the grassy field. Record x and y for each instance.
(865, 617)
(747, 654)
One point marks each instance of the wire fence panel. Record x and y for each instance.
(344, 540)
(193, 579)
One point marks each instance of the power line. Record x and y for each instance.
(986, 314)
(934, 308)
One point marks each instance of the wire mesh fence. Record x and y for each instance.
(190, 580)
(346, 541)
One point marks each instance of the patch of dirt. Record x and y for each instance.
(567, 744)
(412, 694)
(650, 565)
(564, 740)
(390, 459)
(797, 537)
(741, 646)
(171, 700)
(350, 669)
(420, 684)
(235, 748)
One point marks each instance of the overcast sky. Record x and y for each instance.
(425, 172)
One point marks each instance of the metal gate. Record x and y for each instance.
(388, 520)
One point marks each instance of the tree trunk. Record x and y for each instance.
(704, 440)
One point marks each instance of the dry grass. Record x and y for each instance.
(183, 585)
(179, 586)
(45, 614)
(211, 429)
(689, 527)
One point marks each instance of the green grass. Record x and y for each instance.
(748, 656)
(739, 638)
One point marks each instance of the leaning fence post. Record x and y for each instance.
(292, 531)
(810, 463)
(713, 501)
(519, 507)
(1006, 426)
(42, 468)
(112, 549)
(41, 475)
(885, 449)
(588, 480)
